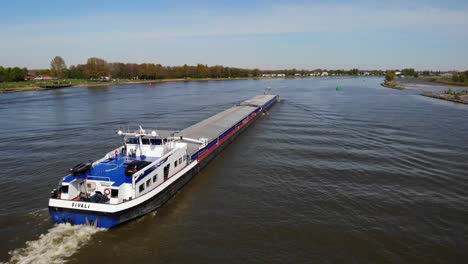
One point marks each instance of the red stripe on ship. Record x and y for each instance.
(234, 131)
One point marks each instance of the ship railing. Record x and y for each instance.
(91, 177)
(109, 155)
(155, 163)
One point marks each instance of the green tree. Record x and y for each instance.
(58, 68)
(43, 72)
(96, 68)
(408, 72)
(389, 76)
(461, 77)
(256, 72)
(354, 71)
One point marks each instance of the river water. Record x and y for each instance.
(358, 174)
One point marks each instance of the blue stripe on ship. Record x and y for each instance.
(78, 218)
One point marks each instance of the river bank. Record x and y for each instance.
(431, 88)
(448, 82)
(461, 99)
(29, 86)
(36, 86)
(392, 84)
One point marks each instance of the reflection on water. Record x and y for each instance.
(363, 174)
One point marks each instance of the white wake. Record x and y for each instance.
(59, 243)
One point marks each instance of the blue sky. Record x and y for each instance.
(254, 34)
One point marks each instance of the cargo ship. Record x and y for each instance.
(152, 165)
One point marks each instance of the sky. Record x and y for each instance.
(334, 34)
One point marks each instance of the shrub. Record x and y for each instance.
(389, 76)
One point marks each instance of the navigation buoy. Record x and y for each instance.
(150, 85)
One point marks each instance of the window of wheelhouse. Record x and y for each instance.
(131, 140)
(156, 141)
(114, 193)
(64, 189)
(151, 141)
(142, 187)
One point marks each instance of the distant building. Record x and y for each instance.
(366, 73)
(297, 74)
(315, 74)
(29, 77)
(446, 74)
(324, 73)
(281, 75)
(266, 75)
(43, 77)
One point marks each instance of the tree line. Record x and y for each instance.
(12, 74)
(460, 77)
(97, 68)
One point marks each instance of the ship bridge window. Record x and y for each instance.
(156, 141)
(64, 189)
(151, 141)
(131, 140)
(114, 193)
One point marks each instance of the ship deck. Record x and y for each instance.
(111, 170)
(213, 127)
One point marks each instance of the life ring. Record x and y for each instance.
(107, 191)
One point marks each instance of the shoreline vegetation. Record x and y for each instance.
(448, 82)
(97, 72)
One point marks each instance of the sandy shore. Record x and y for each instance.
(428, 88)
(463, 99)
(392, 84)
